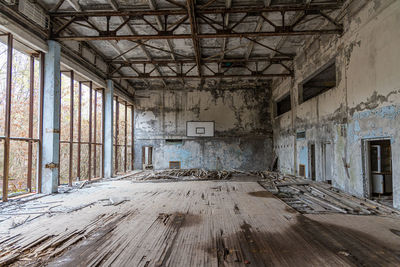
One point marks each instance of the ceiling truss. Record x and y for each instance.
(196, 21)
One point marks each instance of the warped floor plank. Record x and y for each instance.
(195, 223)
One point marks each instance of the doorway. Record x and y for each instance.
(312, 162)
(147, 157)
(379, 170)
(327, 156)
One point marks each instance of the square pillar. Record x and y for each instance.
(108, 129)
(51, 119)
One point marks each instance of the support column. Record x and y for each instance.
(51, 122)
(108, 129)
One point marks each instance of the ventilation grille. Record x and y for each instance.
(302, 170)
(34, 13)
(174, 164)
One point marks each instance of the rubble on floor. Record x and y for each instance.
(308, 196)
(183, 174)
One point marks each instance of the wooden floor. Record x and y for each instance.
(194, 223)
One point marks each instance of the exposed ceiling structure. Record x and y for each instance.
(188, 42)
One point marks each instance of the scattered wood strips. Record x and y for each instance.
(184, 174)
(308, 196)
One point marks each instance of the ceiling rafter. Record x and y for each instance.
(153, 6)
(115, 6)
(189, 13)
(191, 9)
(75, 4)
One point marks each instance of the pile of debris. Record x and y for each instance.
(312, 197)
(182, 174)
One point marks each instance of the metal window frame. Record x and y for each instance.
(92, 140)
(7, 138)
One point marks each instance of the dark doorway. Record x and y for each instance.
(380, 176)
(312, 162)
(327, 156)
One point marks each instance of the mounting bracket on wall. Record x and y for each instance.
(51, 165)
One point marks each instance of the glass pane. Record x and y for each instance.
(76, 109)
(18, 167)
(121, 159)
(65, 107)
(74, 163)
(129, 158)
(1, 166)
(84, 161)
(3, 77)
(98, 161)
(129, 126)
(121, 136)
(85, 114)
(36, 90)
(64, 163)
(35, 147)
(99, 117)
(20, 94)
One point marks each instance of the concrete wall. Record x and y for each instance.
(243, 133)
(365, 103)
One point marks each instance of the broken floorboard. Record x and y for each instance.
(195, 223)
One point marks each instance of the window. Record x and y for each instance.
(19, 119)
(123, 136)
(283, 105)
(81, 130)
(324, 80)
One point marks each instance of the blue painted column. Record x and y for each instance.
(51, 119)
(108, 129)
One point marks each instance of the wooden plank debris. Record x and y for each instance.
(312, 197)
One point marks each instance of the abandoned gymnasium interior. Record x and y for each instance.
(199, 133)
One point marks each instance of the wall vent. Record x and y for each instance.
(173, 141)
(174, 164)
(302, 170)
(34, 12)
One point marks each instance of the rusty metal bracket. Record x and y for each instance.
(53, 131)
(51, 165)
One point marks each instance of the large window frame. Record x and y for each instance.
(32, 142)
(127, 165)
(95, 94)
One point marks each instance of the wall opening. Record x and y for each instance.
(302, 170)
(323, 80)
(283, 105)
(312, 162)
(378, 170)
(327, 159)
(147, 157)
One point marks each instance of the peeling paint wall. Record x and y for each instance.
(243, 131)
(365, 103)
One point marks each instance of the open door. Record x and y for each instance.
(378, 170)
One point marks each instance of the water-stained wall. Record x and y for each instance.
(243, 133)
(364, 105)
